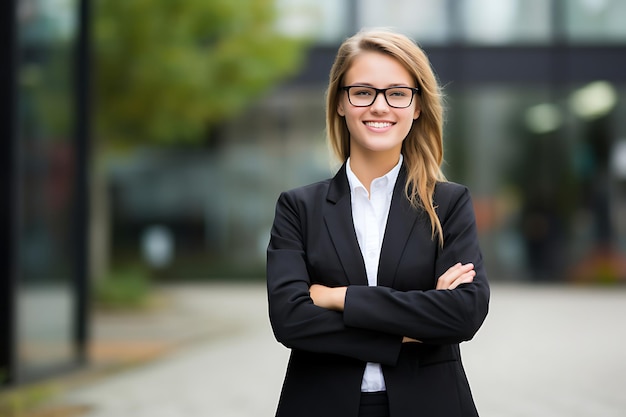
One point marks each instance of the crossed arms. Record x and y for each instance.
(370, 323)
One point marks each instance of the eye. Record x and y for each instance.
(398, 92)
(362, 91)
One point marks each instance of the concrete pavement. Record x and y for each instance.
(544, 351)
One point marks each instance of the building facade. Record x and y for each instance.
(535, 127)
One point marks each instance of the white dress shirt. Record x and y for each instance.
(369, 214)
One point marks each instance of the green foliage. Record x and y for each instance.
(20, 401)
(166, 71)
(45, 90)
(127, 288)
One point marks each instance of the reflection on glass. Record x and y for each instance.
(595, 20)
(543, 176)
(46, 169)
(217, 206)
(596, 99)
(425, 20)
(499, 22)
(322, 20)
(44, 327)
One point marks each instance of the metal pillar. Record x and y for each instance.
(7, 190)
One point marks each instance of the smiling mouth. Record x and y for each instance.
(379, 125)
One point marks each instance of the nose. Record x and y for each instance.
(380, 103)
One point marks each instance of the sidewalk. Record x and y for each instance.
(202, 355)
(179, 315)
(544, 351)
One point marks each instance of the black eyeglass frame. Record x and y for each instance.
(414, 90)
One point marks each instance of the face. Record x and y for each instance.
(378, 128)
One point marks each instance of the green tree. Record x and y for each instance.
(166, 71)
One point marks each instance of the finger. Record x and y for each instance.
(452, 274)
(315, 292)
(453, 269)
(458, 269)
(463, 279)
(456, 278)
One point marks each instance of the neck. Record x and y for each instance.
(368, 167)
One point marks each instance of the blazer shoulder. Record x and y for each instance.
(449, 195)
(307, 193)
(331, 188)
(448, 189)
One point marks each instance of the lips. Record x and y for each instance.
(379, 125)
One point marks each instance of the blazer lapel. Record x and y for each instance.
(338, 219)
(400, 223)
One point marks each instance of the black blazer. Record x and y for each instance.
(313, 241)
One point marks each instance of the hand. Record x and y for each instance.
(456, 275)
(327, 297)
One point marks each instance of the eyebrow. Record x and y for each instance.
(388, 86)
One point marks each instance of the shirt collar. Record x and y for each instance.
(389, 179)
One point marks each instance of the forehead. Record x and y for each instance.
(377, 69)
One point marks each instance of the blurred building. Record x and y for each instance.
(536, 128)
(43, 176)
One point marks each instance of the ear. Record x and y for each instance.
(340, 110)
(417, 113)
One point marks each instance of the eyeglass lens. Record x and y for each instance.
(365, 96)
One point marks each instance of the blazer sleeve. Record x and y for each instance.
(432, 316)
(296, 321)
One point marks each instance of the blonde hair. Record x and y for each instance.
(423, 146)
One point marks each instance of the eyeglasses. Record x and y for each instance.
(364, 96)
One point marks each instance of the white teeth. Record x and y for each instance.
(378, 125)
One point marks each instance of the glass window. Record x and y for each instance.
(595, 20)
(496, 145)
(46, 170)
(497, 22)
(424, 20)
(324, 21)
(596, 131)
(546, 176)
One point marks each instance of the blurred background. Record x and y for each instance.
(145, 144)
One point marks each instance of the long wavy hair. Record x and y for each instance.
(423, 146)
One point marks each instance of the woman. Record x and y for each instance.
(375, 276)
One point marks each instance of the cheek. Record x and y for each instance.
(409, 117)
(351, 123)
(352, 116)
